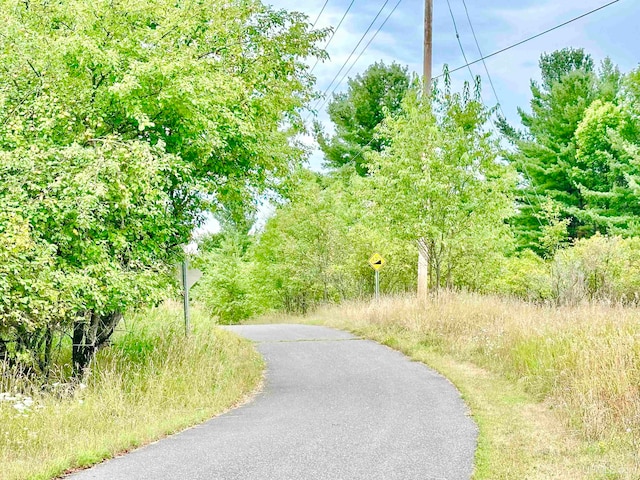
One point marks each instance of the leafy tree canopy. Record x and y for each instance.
(546, 151)
(357, 112)
(439, 182)
(126, 120)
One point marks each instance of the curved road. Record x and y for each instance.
(333, 407)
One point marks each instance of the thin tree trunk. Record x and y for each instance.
(89, 334)
(423, 268)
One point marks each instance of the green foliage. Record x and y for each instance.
(121, 124)
(226, 289)
(598, 268)
(440, 182)
(297, 254)
(602, 269)
(574, 151)
(370, 97)
(524, 275)
(606, 171)
(554, 232)
(546, 151)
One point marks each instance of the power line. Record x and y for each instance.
(362, 52)
(495, 93)
(369, 43)
(455, 27)
(464, 55)
(320, 14)
(531, 38)
(475, 38)
(352, 53)
(333, 34)
(483, 58)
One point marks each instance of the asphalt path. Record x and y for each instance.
(333, 407)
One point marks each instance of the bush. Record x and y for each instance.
(597, 269)
(525, 276)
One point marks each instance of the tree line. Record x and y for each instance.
(123, 124)
(545, 210)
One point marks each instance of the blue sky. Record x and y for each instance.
(610, 32)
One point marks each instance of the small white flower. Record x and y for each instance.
(19, 406)
(82, 386)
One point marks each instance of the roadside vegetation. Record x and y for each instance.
(151, 382)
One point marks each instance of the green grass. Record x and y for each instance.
(150, 383)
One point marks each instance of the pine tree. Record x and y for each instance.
(546, 151)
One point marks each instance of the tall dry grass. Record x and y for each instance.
(583, 360)
(149, 383)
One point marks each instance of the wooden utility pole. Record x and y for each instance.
(428, 44)
(423, 253)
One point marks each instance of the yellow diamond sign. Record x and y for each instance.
(377, 261)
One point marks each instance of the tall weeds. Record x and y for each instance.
(152, 381)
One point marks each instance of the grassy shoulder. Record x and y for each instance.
(150, 383)
(541, 382)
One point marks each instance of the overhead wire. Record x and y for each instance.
(350, 56)
(495, 93)
(320, 14)
(356, 61)
(455, 27)
(361, 53)
(475, 38)
(528, 39)
(484, 57)
(333, 34)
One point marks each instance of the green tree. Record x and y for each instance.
(606, 170)
(357, 112)
(298, 252)
(440, 180)
(315, 247)
(546, 150)
(226, 288)
(136, 117)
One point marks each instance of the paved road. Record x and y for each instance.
(333, 407)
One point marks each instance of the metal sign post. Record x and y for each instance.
(377, 262)
(187, 278)
(185, 291)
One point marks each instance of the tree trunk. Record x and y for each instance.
(423, 269)
(90, 332)
(4, 351)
